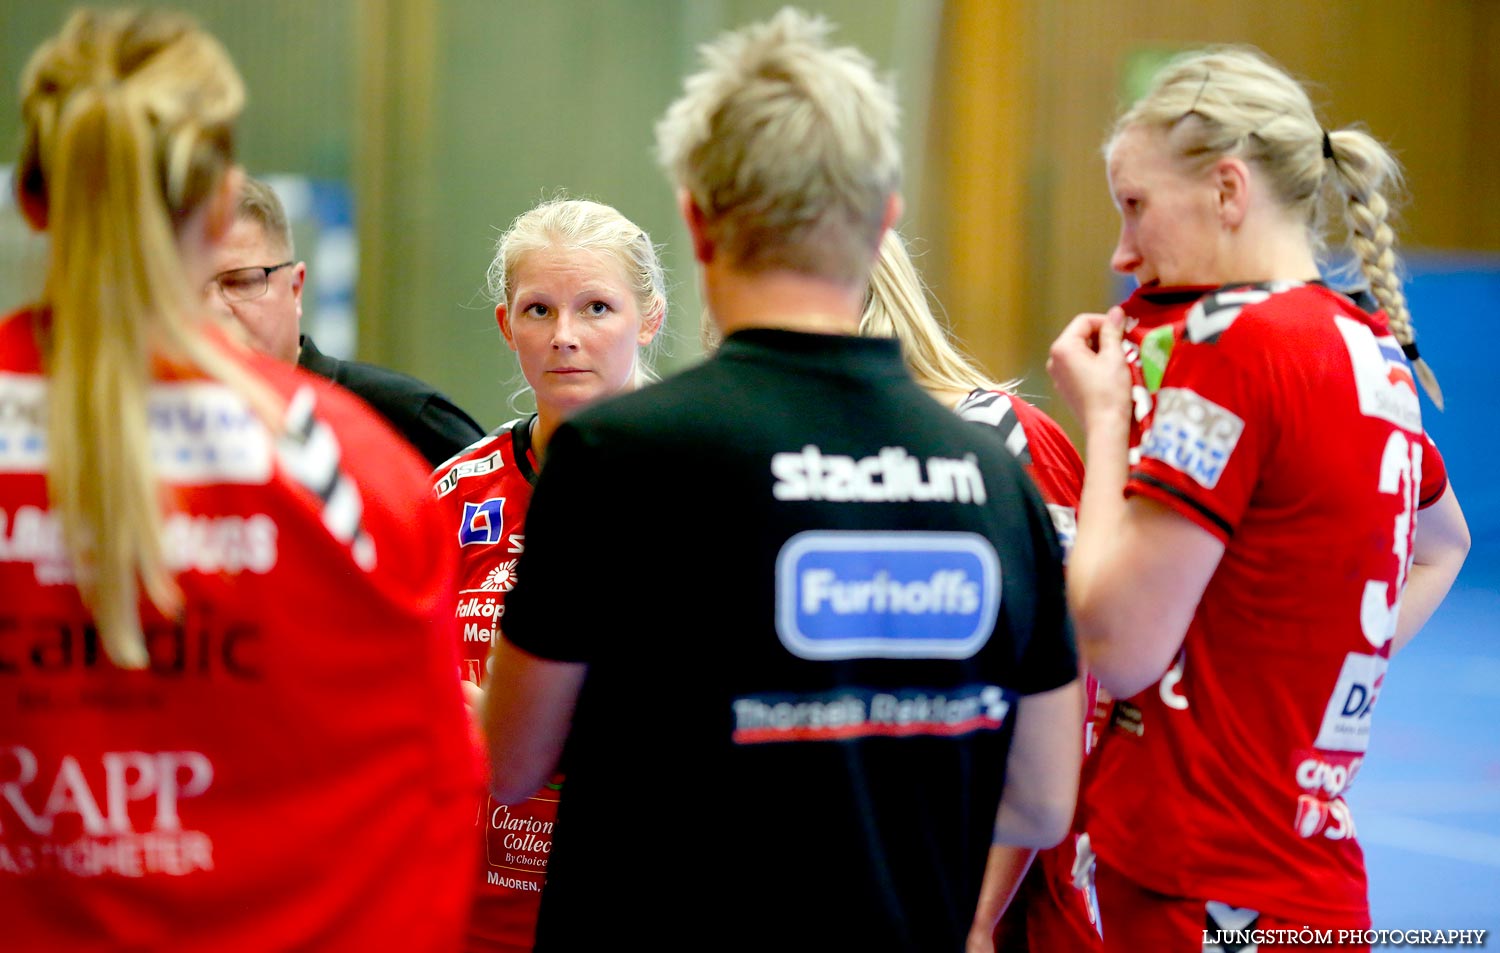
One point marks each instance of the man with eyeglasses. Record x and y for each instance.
(258, 282)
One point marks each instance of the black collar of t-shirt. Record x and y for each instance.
(816, 352)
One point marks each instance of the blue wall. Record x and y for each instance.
(1453, 304)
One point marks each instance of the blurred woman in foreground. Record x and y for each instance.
(229, 720)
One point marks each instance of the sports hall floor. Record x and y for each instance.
(1427, 801)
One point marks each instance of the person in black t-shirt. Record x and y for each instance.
(803, 635)
(258, 283)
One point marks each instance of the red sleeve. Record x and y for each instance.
(1052, 461)
(1434, 473)
(1203, 453)
(413, 563)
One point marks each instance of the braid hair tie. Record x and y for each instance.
(1424, 373)
(1328, 155)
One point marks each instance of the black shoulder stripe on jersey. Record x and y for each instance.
(309, 447)
(520, 441)
(1212, 517)
(1422, 504)
(308, 450)
(985, 407)
(1363, 299)
(994, 409)
(1019, 444)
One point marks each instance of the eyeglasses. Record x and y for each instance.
(243, 284)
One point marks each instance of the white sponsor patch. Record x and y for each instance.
(480, 607)
(479, 632)
(468, 468)
(1346, 721)
(226, 545)
(1193, 435)
(33, 535)
(204, 433)
(1213, 315)
(200, 432)
(855, 712)
(1327, 776)
(1382, 378)
(23, 423)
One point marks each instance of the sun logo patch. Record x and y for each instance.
(501, 579)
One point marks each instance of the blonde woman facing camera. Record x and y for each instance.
(579, 295)
(1242, 589)
(228, 719)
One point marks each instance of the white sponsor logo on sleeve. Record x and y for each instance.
(1065, 522)
(1382, 378)
(1192, 434)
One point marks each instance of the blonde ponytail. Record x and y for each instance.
(98, 359)
(127, 134)
(896, 307)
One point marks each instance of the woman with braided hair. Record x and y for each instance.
(228, 712)
(1242, 588)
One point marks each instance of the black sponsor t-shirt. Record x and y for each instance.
(808, 596)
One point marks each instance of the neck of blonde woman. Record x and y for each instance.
(1270, 245)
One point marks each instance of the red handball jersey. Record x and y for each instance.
(1047, 912)
(485, 491)
(1286, 424)
(292, 769)
(1051, 911)
(1153, 318)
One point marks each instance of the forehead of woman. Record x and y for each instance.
(1142, 154)
(578, 267)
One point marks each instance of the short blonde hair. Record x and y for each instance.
(591, 226)
(788, 147)
(1234, 101)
